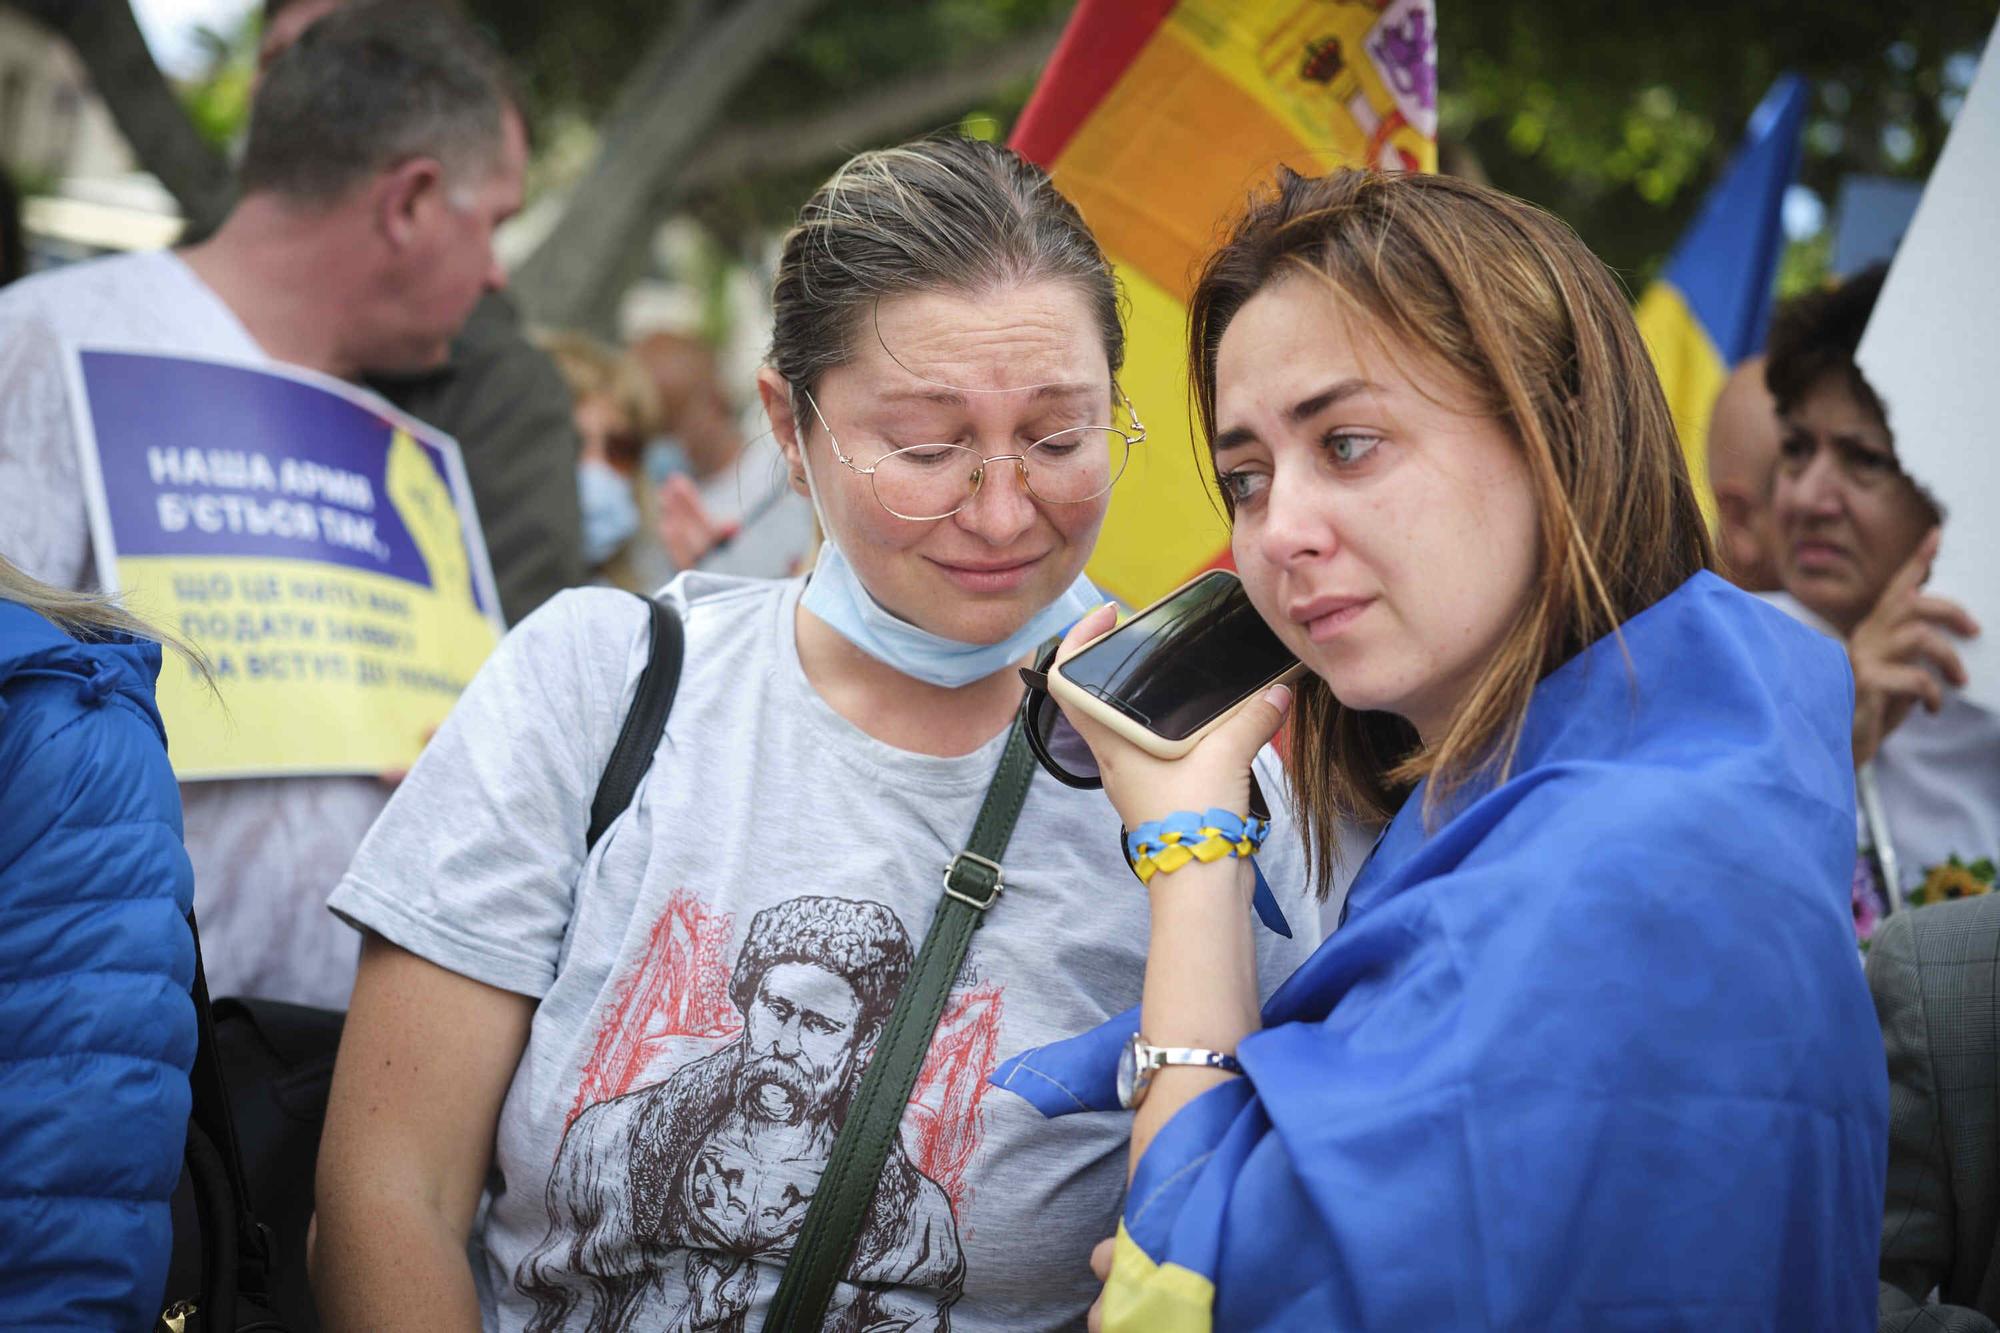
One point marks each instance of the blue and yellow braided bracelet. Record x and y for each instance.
(1184, 836)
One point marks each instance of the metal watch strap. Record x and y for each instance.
(1141, 1060)
(1190, 1057)
(839, 1206)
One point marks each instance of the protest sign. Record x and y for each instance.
(1928, 354)
(317, 545)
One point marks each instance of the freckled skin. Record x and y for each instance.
(1010, 340)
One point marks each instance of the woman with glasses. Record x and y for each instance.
(1856, 539)
(1591, 1049)
(649, 1048)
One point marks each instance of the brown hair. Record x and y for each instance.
(941, 213)
(1539, 335)
(1816, 335)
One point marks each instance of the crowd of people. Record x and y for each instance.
(1551, 1009)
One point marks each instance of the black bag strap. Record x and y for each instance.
(644, 723)
(238, 1249)
(839, 1207)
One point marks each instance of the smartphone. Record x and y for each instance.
(1172, 673)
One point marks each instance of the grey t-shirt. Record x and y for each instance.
(713, 974)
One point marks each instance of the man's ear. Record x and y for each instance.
(1738, 540)
(864, 1046)
(405, 195)
(776, 393)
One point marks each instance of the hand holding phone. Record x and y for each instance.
(1178, 669)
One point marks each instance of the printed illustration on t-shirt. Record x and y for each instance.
(707, 1111)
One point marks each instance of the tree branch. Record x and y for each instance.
(659, 119)
(891, 112)
(820, 137)
(122, 72)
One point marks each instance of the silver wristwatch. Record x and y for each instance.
(1141, 1060)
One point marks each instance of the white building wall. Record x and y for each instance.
(52, 125)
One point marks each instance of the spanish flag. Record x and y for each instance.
(1157, 119)
(1709, 310)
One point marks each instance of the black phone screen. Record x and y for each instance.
(1181, 663)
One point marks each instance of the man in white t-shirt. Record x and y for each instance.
(384, 149)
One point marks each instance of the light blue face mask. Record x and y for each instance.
(610, 514)
(836, 596)
(665, 457)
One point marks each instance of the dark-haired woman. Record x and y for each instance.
(1855, 541)
(1591, 1050)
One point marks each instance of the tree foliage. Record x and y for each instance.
(573, 58)
(1615, 116)
(1618, 116)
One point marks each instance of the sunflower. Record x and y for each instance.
(1952, 879)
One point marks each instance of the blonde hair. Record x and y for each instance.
(1512, 304)
(594, 369)
(91, 616)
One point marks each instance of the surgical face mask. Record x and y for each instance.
(665, 456)
(610, 514)
(837, 596)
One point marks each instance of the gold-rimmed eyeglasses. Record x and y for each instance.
(931, 481)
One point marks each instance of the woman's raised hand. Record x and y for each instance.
(1900, 649)
(683, 524)
(1214, 774)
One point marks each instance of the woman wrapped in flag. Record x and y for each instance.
(1590, 1049)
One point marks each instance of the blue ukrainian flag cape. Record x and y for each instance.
(1596, 1053)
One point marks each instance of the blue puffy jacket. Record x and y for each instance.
(97, 1032)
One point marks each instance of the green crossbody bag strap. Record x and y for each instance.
(839, 1207)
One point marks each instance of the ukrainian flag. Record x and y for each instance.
(1549, 1074)
(1157, 119)
(1709, 310)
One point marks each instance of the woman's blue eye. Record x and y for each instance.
(1347, 447)
(1242, 486)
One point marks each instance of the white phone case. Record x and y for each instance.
(1071, 695)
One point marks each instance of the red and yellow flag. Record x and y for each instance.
(1157, 119)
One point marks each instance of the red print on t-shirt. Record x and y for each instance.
(715, 1088)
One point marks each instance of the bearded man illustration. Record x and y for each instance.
(674, 1204)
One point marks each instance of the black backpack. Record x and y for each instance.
(261, 1075)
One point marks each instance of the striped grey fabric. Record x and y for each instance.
(1935, 975)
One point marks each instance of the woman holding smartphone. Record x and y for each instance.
(646, 1050)
(1591, 1049)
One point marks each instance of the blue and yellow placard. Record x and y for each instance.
(318, 546)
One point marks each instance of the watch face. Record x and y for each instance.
(1128, 1071)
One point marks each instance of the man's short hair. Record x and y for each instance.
(861, 942)
(1816, 335)
(372, 84)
